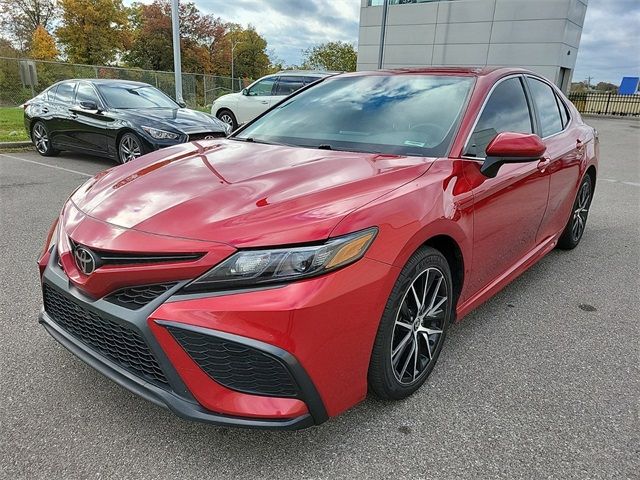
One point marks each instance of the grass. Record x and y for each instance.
(12, 125)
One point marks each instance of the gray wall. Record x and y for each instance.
(542, 35)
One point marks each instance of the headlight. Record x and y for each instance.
(160, 134)
(280, 265)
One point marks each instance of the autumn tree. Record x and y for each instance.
(43, 46)
(93, 31)
(250, 56)
(152, 45)
(20, 18)
(336, 56)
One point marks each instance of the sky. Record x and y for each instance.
(610, 46)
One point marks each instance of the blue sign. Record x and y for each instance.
(629, 85)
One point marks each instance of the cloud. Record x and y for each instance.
(291, 26)
(610, 45)
(609, 48)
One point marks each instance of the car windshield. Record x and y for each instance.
(392, 114)
(135, 97)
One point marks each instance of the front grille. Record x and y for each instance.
(203, 135)
(103, 257)
(137, 297)
(120, 344)
(237, 366)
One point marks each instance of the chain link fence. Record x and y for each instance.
(22, 79)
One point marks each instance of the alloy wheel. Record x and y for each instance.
(226, 118)
(581, 211)
(40, 138)
(129, 149)
(419, 325)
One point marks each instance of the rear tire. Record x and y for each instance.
(572, 233)
(413, 326)
(228, 117)
(42, 140)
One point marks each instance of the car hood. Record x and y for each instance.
(183, 119)
(242, 194)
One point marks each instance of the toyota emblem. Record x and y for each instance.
(85, 260)
(209, 137)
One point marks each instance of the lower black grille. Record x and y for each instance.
(137, 297)
(206, 136)
(237, 366)
(120, 344)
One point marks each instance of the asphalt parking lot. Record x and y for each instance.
(540, 382)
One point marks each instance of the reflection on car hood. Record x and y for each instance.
(183, 119)
(242, 194)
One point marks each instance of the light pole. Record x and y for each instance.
(383, 28)
(177, 63)
(233, 47)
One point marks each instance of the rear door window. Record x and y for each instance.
(86, 93)
(64, 92)
(547, 107)
(288, 85)
(506, 110)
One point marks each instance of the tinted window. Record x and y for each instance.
(288, 85)
(64, 93)
(135, 97)
(505, 111)
(548, 112)
(564, 114)
(263, 87)
(86, 93)
(308, 80)
(396, 114)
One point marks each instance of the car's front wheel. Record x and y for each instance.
(130, 147)
(413, 326)
(228, 117)
(42, 140)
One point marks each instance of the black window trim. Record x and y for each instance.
(532, 113)
(558, 99)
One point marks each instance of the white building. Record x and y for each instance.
(541, 35)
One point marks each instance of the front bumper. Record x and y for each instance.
(320, 330)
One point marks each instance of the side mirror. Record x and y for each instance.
(510, 147)
(182, 104)
(89, 105)
(245, 92)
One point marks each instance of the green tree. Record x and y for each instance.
(250, 58)
(606, 87)
(20, 18)
(152, 43)
(93, 31)
(43, 46)
(336, 56)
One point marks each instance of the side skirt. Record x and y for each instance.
(507, 277)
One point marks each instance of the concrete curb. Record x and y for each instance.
(23, 144)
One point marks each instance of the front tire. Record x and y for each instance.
(413, 326)
(130, 147)
(228, 117)
(572, 233)
(42, 140)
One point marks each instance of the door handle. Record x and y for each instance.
(543, 163)
(264, 101)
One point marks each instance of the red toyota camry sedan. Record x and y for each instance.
(273, 278)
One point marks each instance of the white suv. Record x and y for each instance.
(238, 108)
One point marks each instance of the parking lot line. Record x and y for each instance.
(46, 165)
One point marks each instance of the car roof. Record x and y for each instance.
(108, 81)
(476, 71)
